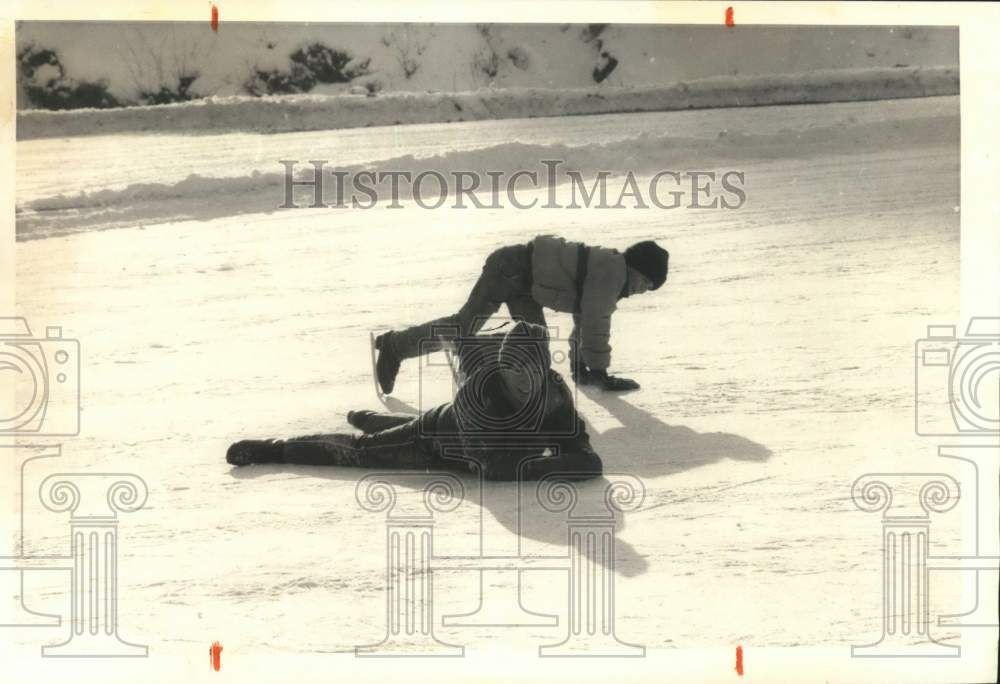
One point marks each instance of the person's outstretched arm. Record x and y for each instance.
(592, 328)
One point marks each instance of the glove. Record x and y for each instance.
(609, 383)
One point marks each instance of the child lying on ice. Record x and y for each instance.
(513, 417)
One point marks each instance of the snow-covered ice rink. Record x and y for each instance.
(776, 367)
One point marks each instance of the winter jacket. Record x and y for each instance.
(483, 420)
(554, 276)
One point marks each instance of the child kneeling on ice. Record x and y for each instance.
(587, 281)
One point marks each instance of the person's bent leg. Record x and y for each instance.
(400, 447)
(326, 449)
(396, 346)
(374, 421)
(336, 449)
(526, 309)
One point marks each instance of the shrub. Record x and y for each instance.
(328, 65)
(605, 65)
(275, 82)
(311, 64)
(606, 62)
(178, 93)
(47, 87)
(487, 62)
(408, 46)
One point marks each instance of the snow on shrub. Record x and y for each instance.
(329, 65)
(312, 64)
(47, 86)
(181, 92)
(297, 79)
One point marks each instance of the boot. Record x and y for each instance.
(360, 419)
(254, 451)
(387, 363)
(396, 345)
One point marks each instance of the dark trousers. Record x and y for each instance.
(394, 441)
(506, 279)
(398, 445)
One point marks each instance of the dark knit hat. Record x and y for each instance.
(649, 259)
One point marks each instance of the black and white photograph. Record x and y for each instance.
(500, 341)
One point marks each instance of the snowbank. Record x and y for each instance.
(245, 190)
(321, 112)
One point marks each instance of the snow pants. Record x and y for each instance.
(505, 279)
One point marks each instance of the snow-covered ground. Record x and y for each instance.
(776, 367)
